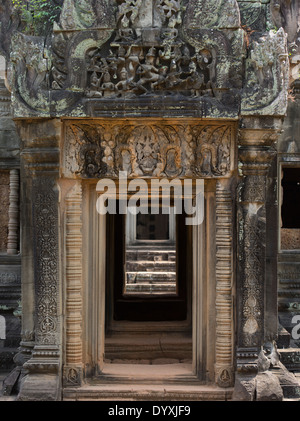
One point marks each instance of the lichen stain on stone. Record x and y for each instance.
(84, 46)
(78, 112)
(61, 105)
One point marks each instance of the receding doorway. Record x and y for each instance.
(148, 284)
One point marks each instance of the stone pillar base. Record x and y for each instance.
(263, 386)
(40, 387)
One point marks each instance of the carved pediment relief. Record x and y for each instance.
(107, 58)
(155, 49)
(147, 150)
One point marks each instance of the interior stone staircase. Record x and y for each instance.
(151, 269)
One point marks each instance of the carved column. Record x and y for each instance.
(10, 262)
(40, 160)
(73, 365)
(13, 213)
(224, 277)
(255, 155)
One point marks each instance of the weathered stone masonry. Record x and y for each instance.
(160, 89)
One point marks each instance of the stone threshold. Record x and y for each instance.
(169, 382)
(154, 373)
(119, 392)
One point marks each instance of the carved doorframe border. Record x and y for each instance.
(222, 372)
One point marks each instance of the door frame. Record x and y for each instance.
(96, 303)
(212, 285)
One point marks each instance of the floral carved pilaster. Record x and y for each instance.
(41, 247)
(255, 159)
(45, 218)
(73, 366)
(224, 299)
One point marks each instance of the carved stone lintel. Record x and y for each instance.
(149, 150)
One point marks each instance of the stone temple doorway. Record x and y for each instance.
(156, 294)
(148, 284)
(162, 336)
(147, 298)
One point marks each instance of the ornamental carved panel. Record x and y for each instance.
(148, 149)
(215, 59)
(46, 260)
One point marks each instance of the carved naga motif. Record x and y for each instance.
(147, 150)
(267, 80)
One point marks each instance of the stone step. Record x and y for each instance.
(150, 255)
(147, 392)
(150, 266)
(289, 382)
(150, 277)
(145, 347)
(165, 288)
(138, 382)
(284, 337)
(290, 358)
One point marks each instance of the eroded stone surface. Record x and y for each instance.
(244, 388)
(159, 150)
(142, 50)
(268, 387)
(158, 59)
